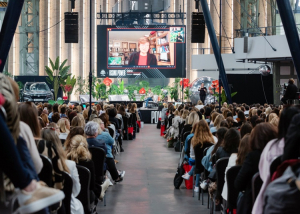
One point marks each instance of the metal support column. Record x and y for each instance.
(29, 38)
(8, 29)
(291, 32)
(216, 48)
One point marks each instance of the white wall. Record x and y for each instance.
(258, 47)
(206, 65)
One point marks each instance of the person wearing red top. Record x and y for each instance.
(143, 57)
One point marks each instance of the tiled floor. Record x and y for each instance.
(148, 184)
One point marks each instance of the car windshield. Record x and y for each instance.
(37, 87)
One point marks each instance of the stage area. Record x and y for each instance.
(150, 115)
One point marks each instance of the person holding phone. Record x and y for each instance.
(202, 89)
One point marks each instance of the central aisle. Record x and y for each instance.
(148, 183)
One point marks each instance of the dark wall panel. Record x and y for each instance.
(250, 88)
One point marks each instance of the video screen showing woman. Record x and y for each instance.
(143, 57)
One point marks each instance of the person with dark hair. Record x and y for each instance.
(241, 118)
(276, 148)
(112, 113)
(290, 92)
(246, 128)
(28, 114)
(236, 159)
(259, 112)
(71, 115)
(253, 120)
(230, 144)
(40, 111)
(54, 110)
(63, 112)
(259, 137)
(55, 117)
(246, 112)
(206, 160)
(41, 122)
(230, 121)
(49, 108)
(224, 123)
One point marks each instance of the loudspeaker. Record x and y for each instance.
(71, 27)
(198, 27)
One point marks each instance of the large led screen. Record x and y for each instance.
(141, 51)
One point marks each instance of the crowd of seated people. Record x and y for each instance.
(64, 135)
(250, 137)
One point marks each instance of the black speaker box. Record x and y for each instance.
(198, 27)
(71, 27)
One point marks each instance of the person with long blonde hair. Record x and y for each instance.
(201, 139)
(51, 147)
(78, 151)
(64, 126)
(217, 123)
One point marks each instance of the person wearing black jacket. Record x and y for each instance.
(112, 113)
(291, 91)
(143, 57)
(259, 137)
(292, 146)
(202, 93)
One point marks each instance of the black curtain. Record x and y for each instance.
(250, 88)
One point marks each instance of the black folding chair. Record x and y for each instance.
(221, 165)
(185, 136)
(203, 178)
(98, 157)
(84, 195)
(275, 163)
(232, 192)
(125, 130)
(256, 185)
(67, 189)
(46, 172)
(111, 132)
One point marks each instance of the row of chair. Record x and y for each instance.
(98, 157)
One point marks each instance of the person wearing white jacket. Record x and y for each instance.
(76, 206)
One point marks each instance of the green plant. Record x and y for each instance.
(223, 96)
(187, 94)
(143, 84)
(157, 90)
(113, 90)
(52, 102)
(101, 91)
(80, 83)
(121, 87)
(131, 89)
(57, 75)
(6, 73)
(174, 90)
(71, 83)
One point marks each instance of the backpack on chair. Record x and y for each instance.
(282, 195)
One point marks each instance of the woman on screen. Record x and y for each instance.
(143, 57)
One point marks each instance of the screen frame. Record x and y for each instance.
(104, 70)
